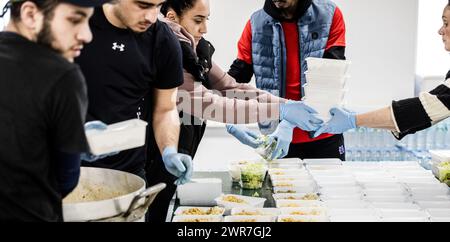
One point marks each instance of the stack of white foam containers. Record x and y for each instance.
(381, 191)
(325, 84)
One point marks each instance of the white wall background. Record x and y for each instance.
(3, 20)
(432, 59)
(381, 43)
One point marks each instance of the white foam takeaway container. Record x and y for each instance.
(117, 137)
(193, 193)
(329, 67)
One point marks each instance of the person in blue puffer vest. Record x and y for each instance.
(273, 47)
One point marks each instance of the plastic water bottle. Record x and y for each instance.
(421, 139)
(430, 138)
(440, 136)
(411, 146)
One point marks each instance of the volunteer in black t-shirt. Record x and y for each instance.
(134, 63)
(43, 104)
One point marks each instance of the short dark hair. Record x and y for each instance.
(179, 6)
(46, 6)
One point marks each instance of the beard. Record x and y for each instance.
(45, 37)
(280, 2)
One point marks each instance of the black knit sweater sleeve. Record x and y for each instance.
(415, 114)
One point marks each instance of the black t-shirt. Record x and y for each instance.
(43, 103)
(121, 69)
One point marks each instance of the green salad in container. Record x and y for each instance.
(444, 172)
(252, 176)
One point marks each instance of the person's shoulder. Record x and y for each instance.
(48, 60)
(165, 37)
(163, 31)
(57, 64)
(58, 70)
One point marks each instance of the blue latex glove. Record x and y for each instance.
(283, 135)
(301, 115)
(95, 125)
(341, 121)
(245, 136)
(179, 165)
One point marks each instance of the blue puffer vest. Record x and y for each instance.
(269, 49)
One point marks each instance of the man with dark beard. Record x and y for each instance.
(43, 104)
(273, 47)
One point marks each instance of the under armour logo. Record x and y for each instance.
(121, 47)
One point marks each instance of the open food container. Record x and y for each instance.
(250, 219)
(117, 137)
(297, 204)
(295, 189)
(197, 218)
(288, 172)
(234, 168)
(295, 183)
(296, 196)
(230, 201)
(301, 218)
(317, 211)
(199, 211)
(255, 211)
(291, 178)
(252, 176)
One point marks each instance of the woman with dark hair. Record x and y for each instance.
(209, 93)
(405, 116)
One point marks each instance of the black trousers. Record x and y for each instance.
(332, 147)
(190, 137)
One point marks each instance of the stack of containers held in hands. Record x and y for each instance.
(325, 84)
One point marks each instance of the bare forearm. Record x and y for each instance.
(166, 123)
(166, 127)
(381, 119)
